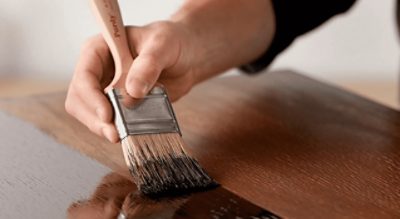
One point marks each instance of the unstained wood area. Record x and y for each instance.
(39, 177)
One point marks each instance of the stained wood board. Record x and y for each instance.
(285, 142)
(116, 193)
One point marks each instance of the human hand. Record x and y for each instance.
(165, 53)
(203, 39)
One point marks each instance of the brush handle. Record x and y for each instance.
(109, 17)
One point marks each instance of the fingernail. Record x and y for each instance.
(140, 87)
(101, 114)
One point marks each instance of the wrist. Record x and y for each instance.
(226, 33)
(201, 47)
(194, 45)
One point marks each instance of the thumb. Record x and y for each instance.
(154, 56)
(142, 76)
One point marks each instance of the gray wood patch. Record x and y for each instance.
(40, 178)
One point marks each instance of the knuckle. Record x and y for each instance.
(160, 39)
(91, 43)
(88, 44)
(161, 34)
(69, 106)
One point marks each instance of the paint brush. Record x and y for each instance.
(150, 136)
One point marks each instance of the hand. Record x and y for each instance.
(203, 39)
(165, 54)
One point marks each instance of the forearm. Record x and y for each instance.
(227, 33)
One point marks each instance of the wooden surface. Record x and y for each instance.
(289, 144)
(116, 192)
(39, 177)
(19, 87)
(383, 92)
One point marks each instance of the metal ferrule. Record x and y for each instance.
(150, 115)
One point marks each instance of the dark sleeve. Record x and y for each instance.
(294, 18)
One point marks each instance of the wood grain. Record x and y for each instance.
(287, 143)
(39, 177)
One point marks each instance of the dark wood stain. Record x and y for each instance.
(221, 204)
(287, 143)
(116, 194)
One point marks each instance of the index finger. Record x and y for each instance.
(93, 69)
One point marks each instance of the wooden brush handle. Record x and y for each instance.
(109, 17)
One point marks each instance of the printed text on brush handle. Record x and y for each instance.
(113, 30)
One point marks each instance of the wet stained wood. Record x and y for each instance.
(287, 143)
(115, 194)
(221, 204)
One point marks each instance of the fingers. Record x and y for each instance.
(95, 57)
(89, 90)
(81, 111)
(159, 52)
(143, 74)
(92, 67)
(86, 100)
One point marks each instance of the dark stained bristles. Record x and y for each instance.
(161, 168)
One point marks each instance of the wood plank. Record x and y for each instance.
(39, 177)
(383, 92)
(297, 147)
(19, 87)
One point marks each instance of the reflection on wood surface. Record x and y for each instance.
(116, 194)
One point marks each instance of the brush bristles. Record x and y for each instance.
(161, 168)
